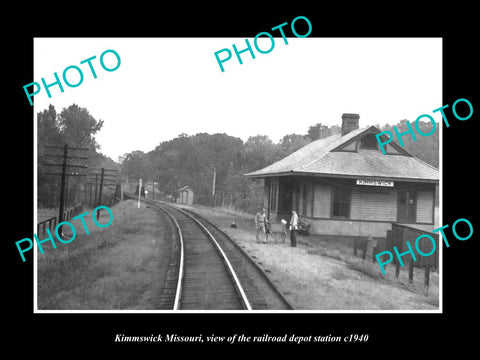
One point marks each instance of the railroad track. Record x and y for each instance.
(207, 280)
(208, 271)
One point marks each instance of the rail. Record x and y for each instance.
(232, 272)
(178, 292)
(224, 257)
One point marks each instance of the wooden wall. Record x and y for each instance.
(425, 200)
(374, 204)
(321, 201)
(312, 198)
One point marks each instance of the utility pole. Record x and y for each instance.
(96, 188)
(90, 189)
(63, 174)
(62, 186)
(101, 187)
(213, 185)
(106, 179)
(100, 192)
(139, 192)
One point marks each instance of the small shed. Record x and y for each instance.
(186, 195)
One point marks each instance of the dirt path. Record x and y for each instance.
(312, 281)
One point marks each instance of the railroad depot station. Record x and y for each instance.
(344, 186)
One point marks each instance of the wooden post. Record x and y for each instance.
(410, 271)
(427, 276)
(355, 247)
(397, 268)
(365, 244)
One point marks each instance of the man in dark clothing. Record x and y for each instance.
(260, 218)
(293, 228)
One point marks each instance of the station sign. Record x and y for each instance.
(372, 182)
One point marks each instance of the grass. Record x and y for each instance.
(372, 269)
(365, 268)
(111, 268)
(108, 196)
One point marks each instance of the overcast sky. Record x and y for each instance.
(168, 86)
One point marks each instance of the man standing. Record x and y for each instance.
(260, 224)
(293, 228)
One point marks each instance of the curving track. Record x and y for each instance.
(208, 271)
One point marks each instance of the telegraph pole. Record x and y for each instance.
(106, 178)
(96, 189)
(63, 174)
(139, 192)
(62, 186)
(213, 186)
(90, 190)
(101, 187)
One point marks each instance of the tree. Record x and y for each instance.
(75, 127)
(134, 165)
(292, 142)
(320, 131)
(47, 133)
(260, 151)
(425, 148)
(78, 127)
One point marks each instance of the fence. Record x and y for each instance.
(53, 221)
(398, 237)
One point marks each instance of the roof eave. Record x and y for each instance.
(342, 176)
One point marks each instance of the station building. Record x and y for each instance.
(344, 186)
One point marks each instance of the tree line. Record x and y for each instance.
(186, 159)
(424, 148)
(191, 160)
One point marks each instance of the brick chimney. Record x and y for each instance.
(349, 123)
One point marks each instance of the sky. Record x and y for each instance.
(168, 86)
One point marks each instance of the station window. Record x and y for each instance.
(296, 200)
(341, 202)
(273, 196)
(285, 197)
(369, 141)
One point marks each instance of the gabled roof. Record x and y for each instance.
(184, 188)
(324, 157)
